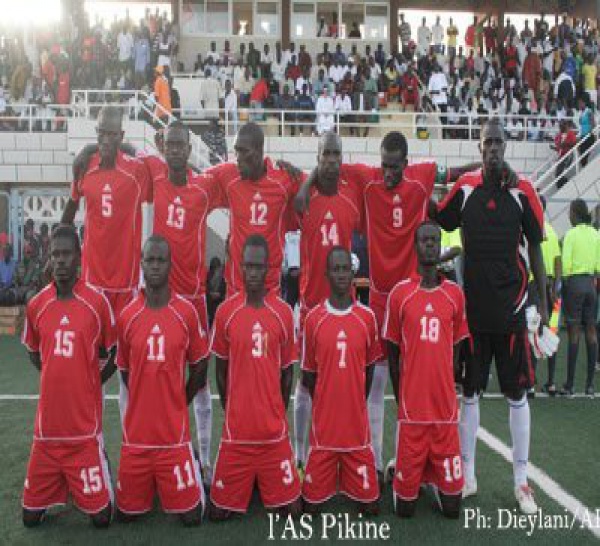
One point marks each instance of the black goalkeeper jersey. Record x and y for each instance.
(497, 223)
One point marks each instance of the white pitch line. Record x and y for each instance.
(545, 483)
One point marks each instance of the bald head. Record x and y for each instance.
(329, 139)
(253, 134)
(111, 116)
(329, 162)
(110, 134)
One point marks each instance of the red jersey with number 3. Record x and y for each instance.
(180, 214)
(155, 346)
(113, 221)
(263, 207)
(68, 334)
(329, 221)
(339, 346)
(426, 324)
(258, 343)
(391, 219)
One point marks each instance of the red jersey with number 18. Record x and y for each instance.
(154, 347)
(426, 324)
(258, 343)
(339, 346)
(328, 222)
(180, 214)
(68, 334)
(113, 221)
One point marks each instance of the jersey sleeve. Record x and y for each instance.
(308, 346)
(289, 348)
(198, 344)
(461, 327)
(449, 211)
(220, 176)
(431, 174)
(374, 353)
(30, 337)
(533, 214)
(219, 341)
(76, 190)
(391, 322)
(216, 195)
(145, 179)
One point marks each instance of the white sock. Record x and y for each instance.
(520, 427)
(302, 411)
(467, 428)
(376, 406)
(203, 415)
(123, 398)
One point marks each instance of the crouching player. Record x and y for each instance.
(67, 325)
(159, 333)
(425, 321)
(340, 347)
(255, 347)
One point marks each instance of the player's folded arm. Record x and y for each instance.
(110, 367)
(309, 380)
(287, 378)
(196, 379)
(36, 359)
(394, 365)
(221, 369)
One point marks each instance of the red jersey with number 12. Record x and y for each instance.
(426, 324)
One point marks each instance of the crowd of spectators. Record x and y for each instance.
(533, 76)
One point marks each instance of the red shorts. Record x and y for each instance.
(58, 468)
(199, 304)
(238, 466)
(428, 454)
(172, 471)
(352, 473)
(119, 300)
(378, 304)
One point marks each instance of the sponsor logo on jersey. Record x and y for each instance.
(429, 308)
(64, 321)
(177, 200)
(156, 329)
(106, 187)
(328, 216)
(342, 335)
(257, 196)
(219, 484)
(396, 199)
(257, 327)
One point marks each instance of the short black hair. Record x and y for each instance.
(395, 141)
(177, 125)
(428, 222)
(494, 121)
(254, 131)
(256, 240)
(158, 239)
(581, 211)
(338, 248)
(67, 231)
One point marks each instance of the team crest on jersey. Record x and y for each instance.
(106, 187)
(342, 335)
(396, 199)
(156, 329)
(219, 484)
(257, 327)
(64, 321)
(328, 216)
(257, 196)
(429, 308)
(177, 200)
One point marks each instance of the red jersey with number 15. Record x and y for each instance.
(260, 207)
(155, 346)
(329, 221)
(258, 343)
(113, 221)
(338, 347)
(426, 324)
(68, 334)
(180, 214)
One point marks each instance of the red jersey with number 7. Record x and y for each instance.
(426, 324)
(258, 344)
(113, 221)
(155, 346)
(339, 346)
(68, 334)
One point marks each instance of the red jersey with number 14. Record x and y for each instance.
(155, 346)
(426, 324)
(258, 343)
(180, 214)
(339, 346)
(113, 221)
(329, 221)
(68, 334)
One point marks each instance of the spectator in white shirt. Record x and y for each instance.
(125, 45)
(225, 72)
(325, 113)
(437, 32)
(231, 109)
(212, 54)
(278, 68)
(210, 92)
(266, 57)
(423, 39)
(438, 89)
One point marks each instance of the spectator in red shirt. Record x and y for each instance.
(511, 60)
(564, 141)
(259, 94)
(410, 89)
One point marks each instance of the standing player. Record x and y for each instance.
(114, 188)
(425, 321)
(496, 219)
(332, 215)
(67, 325)
(182, 202)
(254, 343)
(259, 198)
(159, 333)
(340, 346)
(395, 200)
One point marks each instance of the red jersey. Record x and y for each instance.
(264, 207)
(180, 214)
(68, 335)
(155, 165)
(338, 347)
(329, 221)
(113, 222)
(426, 324)
(391, 219)
(154, 347)
(258, 343)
